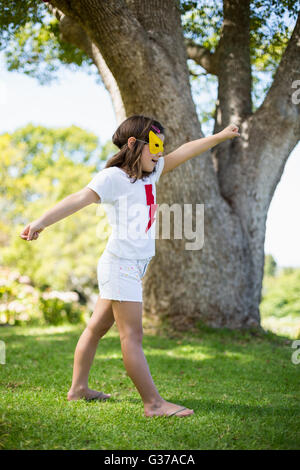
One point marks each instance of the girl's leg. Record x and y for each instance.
(100, 322)
(128, 316)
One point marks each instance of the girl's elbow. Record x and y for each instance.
(88, 196)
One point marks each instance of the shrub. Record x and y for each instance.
(56, 311)
(21, 303)
(281, 294)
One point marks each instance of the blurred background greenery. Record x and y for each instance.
(54, 280)
(39, 167)
(280, 304)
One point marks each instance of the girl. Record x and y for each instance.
(126, 186)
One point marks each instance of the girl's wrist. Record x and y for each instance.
(41, 222)
(221, 137)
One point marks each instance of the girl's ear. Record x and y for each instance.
(131, 141)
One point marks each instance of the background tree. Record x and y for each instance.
(142, 51)
(270, 266)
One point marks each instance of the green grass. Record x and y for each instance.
(243, 388)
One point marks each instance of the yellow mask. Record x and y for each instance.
(155, 143)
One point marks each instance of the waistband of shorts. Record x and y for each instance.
(107, 253)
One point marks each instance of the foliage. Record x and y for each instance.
(56, 311)
(280, 304)
(23, 304)
(271, 26)
(18, 299)
(270, 266)
(30, 37)
(281, 295)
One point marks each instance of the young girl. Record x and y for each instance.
(126, 186)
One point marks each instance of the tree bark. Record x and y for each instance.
(142, 53)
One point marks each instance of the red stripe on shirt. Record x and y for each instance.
(150, 202)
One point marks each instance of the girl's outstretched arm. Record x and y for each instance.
(67, 206)
(196, 147)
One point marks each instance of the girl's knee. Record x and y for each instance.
(98, 330)
(131, 336)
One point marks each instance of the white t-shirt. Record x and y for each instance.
(130, 209)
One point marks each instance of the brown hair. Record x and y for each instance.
(137, 126)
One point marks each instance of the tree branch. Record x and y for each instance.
(234, 104)
(276, 123)
(110, 25)
(267, 139)
(279, 99)
(202, 56)
(271, 133)
(233, 63)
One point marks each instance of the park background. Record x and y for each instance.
(42, 114)
(53, 138)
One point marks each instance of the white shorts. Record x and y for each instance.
(121, 278)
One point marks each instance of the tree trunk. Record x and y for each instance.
(142, 46)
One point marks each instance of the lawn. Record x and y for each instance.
(243, 387)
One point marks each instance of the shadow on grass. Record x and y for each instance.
(231, 363)
(219, 373)
(96, 425)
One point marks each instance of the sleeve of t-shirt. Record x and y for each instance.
(160, 166)
(101, 183)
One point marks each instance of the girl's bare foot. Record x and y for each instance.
(86, 393)
(166, 408)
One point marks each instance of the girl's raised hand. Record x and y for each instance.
(32, 231)
(229, 132)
